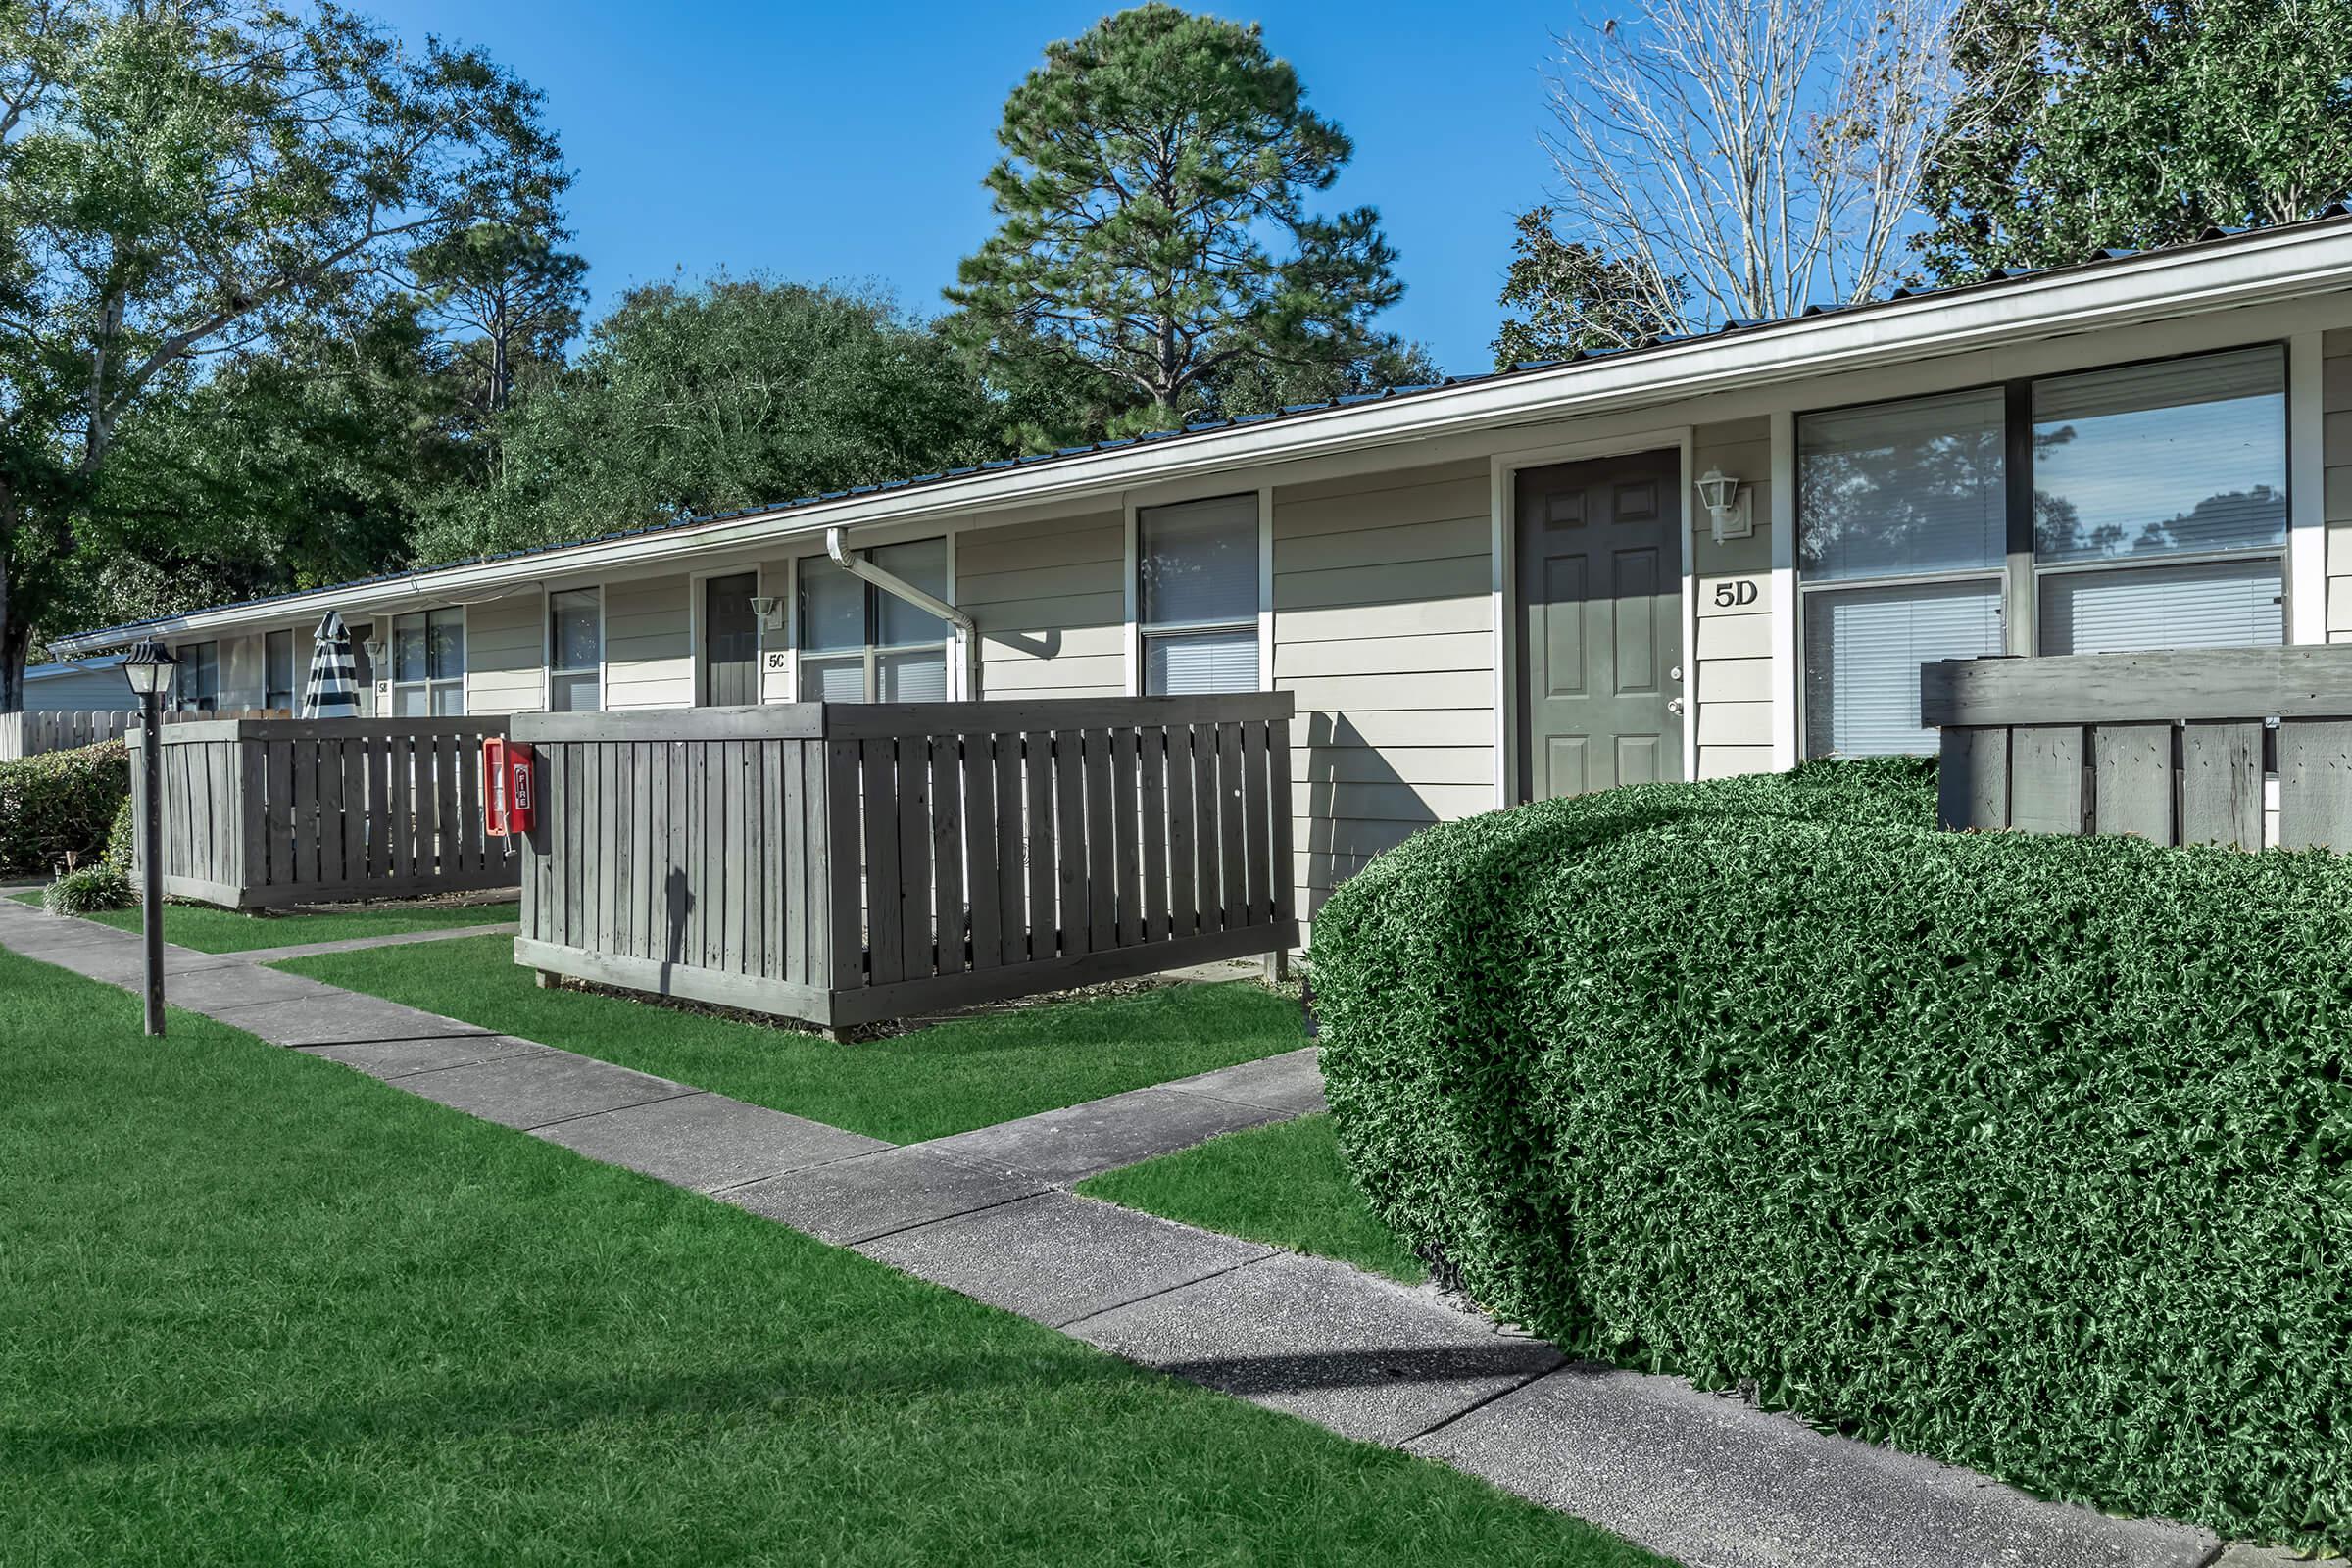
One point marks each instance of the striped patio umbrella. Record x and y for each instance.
(331, 692)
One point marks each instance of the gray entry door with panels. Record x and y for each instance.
(730, 642)
(1601, 644)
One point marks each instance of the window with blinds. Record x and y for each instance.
(1196, 565)
(575, 643)
(429, 663)
(196, 683)
(861, 645)
(2156, 520)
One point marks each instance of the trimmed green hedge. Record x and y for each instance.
(2026, 1153)
(59, 804)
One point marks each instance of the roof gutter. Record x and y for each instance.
(2246, 270)
(967, 631)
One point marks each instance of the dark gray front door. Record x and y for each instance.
(1601, 647)
(730, 642)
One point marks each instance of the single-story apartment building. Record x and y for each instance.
(1713, 555)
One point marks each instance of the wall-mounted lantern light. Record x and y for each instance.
(149, 667)
(771, 610)
(1727, 504)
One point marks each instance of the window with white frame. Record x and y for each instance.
(861, 645)
(277, 670)
(429, 663)
(1197, 600)
(196, 682)
(2155, 516)
(575, 650)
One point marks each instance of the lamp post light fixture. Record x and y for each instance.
(1726, 505)
(149, 666)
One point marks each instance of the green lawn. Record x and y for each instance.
(209, 930)
(1284, 1183)
(973, 1072)
(260, 1309)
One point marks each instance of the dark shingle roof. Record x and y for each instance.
(1995, 280)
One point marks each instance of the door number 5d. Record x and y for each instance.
(1730, 594)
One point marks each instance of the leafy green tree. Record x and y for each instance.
(1155, 232)
(1253, 385)
(2091, 123)
(738, 393)
(1571, 299)
(179, 181)
(504, 300)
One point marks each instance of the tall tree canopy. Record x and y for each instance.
(1153, 195)
(1570, 299)
(1743, 159)
(734, 394)
(181, 179)
(2093, 124)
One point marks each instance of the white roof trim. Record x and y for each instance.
(2245, 269)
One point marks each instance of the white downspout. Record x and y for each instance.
(967, 632)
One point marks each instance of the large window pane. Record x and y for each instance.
(445, 644)
(449, 699)
(575, 631)
(914, 677)
(832, 607)
(1902, 489)
(574, 693)
(1195, 663)
(1199, 562)
(198, 677)
(924, 563)
(2217, 604)
(2183, 455)
(277, 677)
(1863, 649)
(407, 649)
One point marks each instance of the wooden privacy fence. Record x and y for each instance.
(57, 730)
(842, 863)
(261, 812)
(2173, 746)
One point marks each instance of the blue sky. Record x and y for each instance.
(847, 141)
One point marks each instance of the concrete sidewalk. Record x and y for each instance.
(1697, 1477)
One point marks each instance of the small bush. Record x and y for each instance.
(2033, 1153)
(123, 840)
(60, 805)
(88, 890)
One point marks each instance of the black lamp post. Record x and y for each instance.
(148, 666)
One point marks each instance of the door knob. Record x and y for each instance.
(1674, 705)
(1676, 673)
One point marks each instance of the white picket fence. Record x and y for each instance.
(30, 734)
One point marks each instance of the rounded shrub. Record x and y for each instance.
(60, 805)
(2033, 1153)
(87, 891)
(123, 840)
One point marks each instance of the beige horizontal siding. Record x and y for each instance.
(1050, 604)
(1383, 628)
(649, 649)
(1732, 664)
(506, 656)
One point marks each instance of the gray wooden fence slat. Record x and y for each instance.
(302, 758)
(947, 853)
(327, 757)
(2222, 684)
(1257, 811)
(983, 840)
(2221, 784)
(1043, 860)
(667, 851)
(1278, 783)
(795, 806)
(1971, 779)
(1012, 908)
(879, 812)
(253, 814)
(743, 858)
(2315, 784)
(1101, 885)
(2132, 780)
(446, 827)
(1233, 886)
(915, 855)
(358, 809)
(837, 951)
(1126, 822)
(2045, 779)
(1074, 925)
(475, 845)
(1151, 805)
(1183, 832)
(868, 721)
